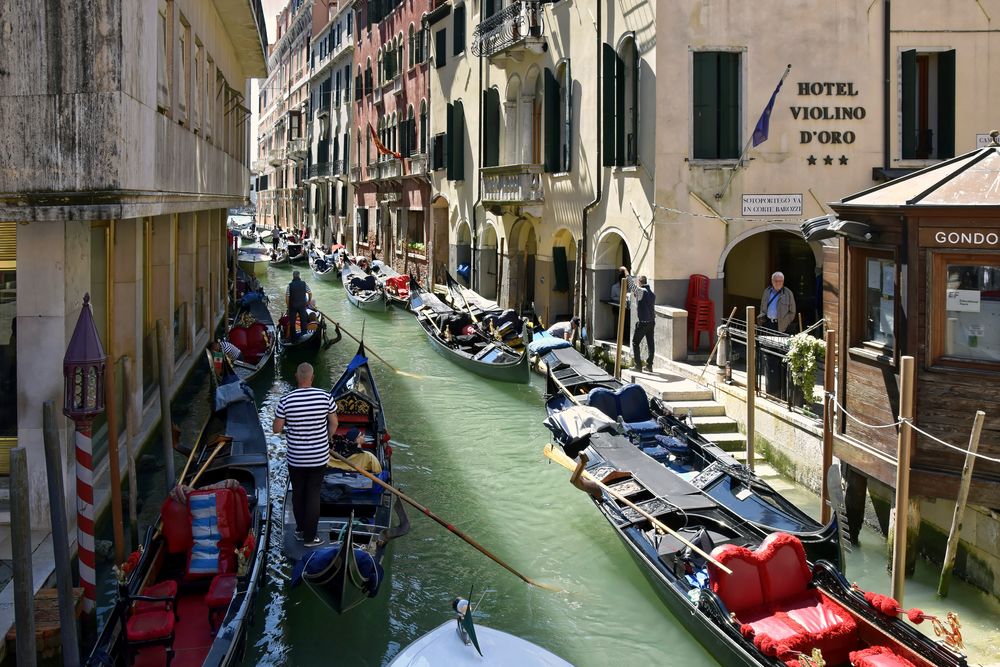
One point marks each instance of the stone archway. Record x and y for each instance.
(523, 246)
(611, 252)
(463, 253)
(487, 265)
(439, 240)
(562, 285)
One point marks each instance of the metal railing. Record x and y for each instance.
(508, 27)
(513, 184)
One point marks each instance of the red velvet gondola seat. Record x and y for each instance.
(251, 340)
(163, 589)
(769, 592)
(151, 627)
(219, 595)
(878, 656)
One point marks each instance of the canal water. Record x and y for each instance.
(470, 449)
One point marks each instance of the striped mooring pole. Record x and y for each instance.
(85, 512)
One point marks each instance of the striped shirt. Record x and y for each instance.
(231, 350)
(305, 411)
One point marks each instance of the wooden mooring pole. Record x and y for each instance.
(128, 373)
(903, 451)
(829, 423)
(963, 496)
(20, 534)
(60, 536)
(114, 463)
(163, 379)
(621, 328)
(751, 382)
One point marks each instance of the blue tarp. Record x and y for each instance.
(544, 342)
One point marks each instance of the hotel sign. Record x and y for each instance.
(774, 205)
(931, 237)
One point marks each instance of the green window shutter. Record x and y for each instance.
(440, 48)
(458, 22)
(560, 269)
(619, 110)
(729, 105)
(491, 129)
(551, 121)
(946, 105)
(449, 139)
(909, 104)
(608, 106)
(458, 144)
(634, 130)
(706, 105)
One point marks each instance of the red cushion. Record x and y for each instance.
(176, 519)
(163, 589)
(149, 626)
(238, 337)
(221, 591)
(829, 627)
(740, 591)
(784, 571)
(878, 656)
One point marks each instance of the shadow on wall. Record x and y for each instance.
(640, 18)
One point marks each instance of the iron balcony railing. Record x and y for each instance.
(512, 25)
(513, 184)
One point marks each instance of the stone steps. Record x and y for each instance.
(730, 442)
(715, 424)
(696, 408)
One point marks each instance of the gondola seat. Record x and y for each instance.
(878, 656)
(208, 528)
(153, 626)
(220, 594)
(770, 593)
(630, 405)
(166, 594)
(251, 340)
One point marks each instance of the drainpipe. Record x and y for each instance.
(599, 193)
(886, 89)
(473, 264)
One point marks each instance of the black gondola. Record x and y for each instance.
(189, 591)
(363, 290)
(462, 298)
(307, 341)
(394, 284)
(354, 511)
(254, 333)
(456, 336)
(296, 252)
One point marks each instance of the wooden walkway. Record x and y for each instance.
(48, 638)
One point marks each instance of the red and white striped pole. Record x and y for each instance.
(85, 512)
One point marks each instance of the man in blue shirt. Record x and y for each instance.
(644, 300)
(777, 304)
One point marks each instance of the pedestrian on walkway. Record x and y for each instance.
(644, 300)
(308, 417)
(777, 305)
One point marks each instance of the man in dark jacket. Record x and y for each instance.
(297, 296)
(644, 300)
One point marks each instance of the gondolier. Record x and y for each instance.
(297, 297)
(308, 416)
(645, 301)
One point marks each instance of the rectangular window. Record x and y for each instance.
(437, 152)
(440, 48)
(415, 230)
(965, 309)
(716, 105)
(873, 300)
(459, 30)
(184, 72)
(162, 61)
(199, 80)
(927, 104)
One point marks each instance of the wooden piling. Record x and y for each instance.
(114, 462)
(163, 379)
(903, 451)
(621, 328)
(60, 536)
(499, 272)
(20, 536)
(963, 496)
(128, 372)
(828, 422)
(751, 382)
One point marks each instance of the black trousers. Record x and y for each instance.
(643, 330)
(306, 486)
(303, 316)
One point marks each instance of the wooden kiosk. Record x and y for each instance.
(917, 272)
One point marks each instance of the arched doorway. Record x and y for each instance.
(750, 261)
(439, 236)
(562, 291)
(487, 273)
(463, 253)
(612, 252)
(523, 246)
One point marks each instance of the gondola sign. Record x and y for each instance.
(777, 205)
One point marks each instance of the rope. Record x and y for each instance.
(948, 444)
(838, 407)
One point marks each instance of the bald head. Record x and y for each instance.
(304, 374)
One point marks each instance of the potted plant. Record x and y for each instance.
(804, 354)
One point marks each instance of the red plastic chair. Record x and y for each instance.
(701, 319)
(698, 285)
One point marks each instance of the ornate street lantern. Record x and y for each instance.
(83, 369)
(83, 373)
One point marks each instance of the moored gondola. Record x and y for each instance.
(395, 285)
(354, 512)
(323, 268)
(363, 290)
(191, 589)
(463, 298)
(456, 336)
(254, 335)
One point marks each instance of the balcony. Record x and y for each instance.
(397, 85)
(518, 27)
(391, 168)
(418, 164)
(355, 173)
(516, 184)
(259, 166)
(377, 95)
(326, 169)
(277, 157)
(298, 148)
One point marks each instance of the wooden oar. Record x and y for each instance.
(466, 302)
(451, 529)
(369, 350)
(555, 455)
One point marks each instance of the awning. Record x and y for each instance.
(882, 174)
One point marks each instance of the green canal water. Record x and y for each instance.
(470, 449)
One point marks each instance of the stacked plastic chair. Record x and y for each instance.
(701, 311)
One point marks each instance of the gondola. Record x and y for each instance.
(323, 268)
(462, 298)
(187, 593)
(254, 259)
(279, 257)
(296, 253)
(395, 285)
(254, 333)
(362, 289)
(455, 336)
(347, 569)
(302, 341)
(245, 283)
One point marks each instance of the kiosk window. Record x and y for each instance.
(874, 298)
(967, 309)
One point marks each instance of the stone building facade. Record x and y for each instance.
(126, 140)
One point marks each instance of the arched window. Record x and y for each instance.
(381, 69)
(358, 85)
(368, 77)
(412, 45)
(564, 111)
(410, 133)
(423, 126)
(621, 112)
(630, 88)
(536, 122)
(399, 53)
(392, 132)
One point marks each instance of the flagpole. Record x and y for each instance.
(739, 162)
